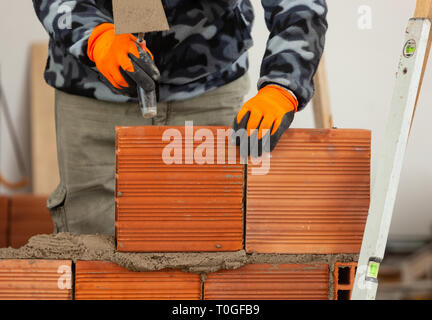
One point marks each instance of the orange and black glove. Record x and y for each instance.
(123, 62)
(264, 119)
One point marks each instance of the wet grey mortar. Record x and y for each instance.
(65, 246)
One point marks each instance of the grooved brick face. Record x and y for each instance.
(177, 207)
(29, 216)
(95, 280)
(4, 221)
(269, 282)
(315, 198)
(35, 280)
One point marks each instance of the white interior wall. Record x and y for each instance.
(361, 66)
(19, 27)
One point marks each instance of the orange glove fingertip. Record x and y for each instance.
(254, 121)
(241, 114)
(266, 125)
(110, 78)
(151, 54)
(276, 126)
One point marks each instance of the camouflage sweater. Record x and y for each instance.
(205, 48)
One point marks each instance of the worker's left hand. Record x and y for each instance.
(265, 117)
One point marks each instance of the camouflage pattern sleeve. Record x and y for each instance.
(296, 43)
(69, 23)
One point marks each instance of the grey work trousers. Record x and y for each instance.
(83, 203)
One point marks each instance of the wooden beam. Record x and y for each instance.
(43, 134)
(321, 100)
(423, 10)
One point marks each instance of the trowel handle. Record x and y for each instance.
(147, 100)
(148, 103)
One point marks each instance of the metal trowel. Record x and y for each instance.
(140, 17)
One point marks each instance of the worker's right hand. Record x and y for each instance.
(122, 61)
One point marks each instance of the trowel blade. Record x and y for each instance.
(134, 16)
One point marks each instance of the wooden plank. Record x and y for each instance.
(321, 100)
(44, 149)
(423, 10)
(133, 16)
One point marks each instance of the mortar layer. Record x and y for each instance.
(66, 246)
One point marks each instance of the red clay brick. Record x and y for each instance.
(35, 280)
(4, 221)
(269, 282)
(29, 216)
(344, 276)
(95, 280)
(315, 198)
(178, 207)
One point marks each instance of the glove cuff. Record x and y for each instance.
(284, 97)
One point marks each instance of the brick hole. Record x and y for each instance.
(343, 294)
(344, 275)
